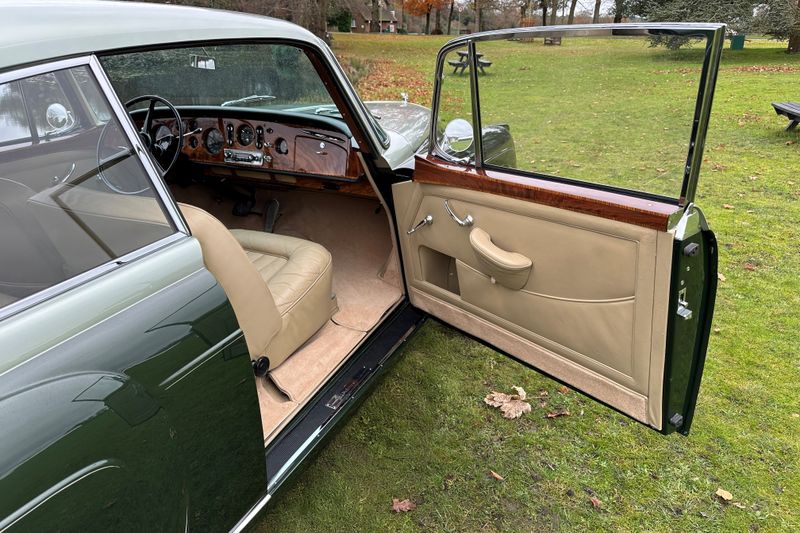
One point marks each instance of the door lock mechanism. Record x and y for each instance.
(683, 306)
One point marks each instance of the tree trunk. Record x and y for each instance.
(544, 12)
(478, 16)
(794, 36)
(596, 16)
(437, 27)
(553, 11)
(428, 21)
(375, 23)
(619, 7)
(523, 10)
(450, 16)
(571, 18)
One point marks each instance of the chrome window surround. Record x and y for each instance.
(713, 33)
(162, 194)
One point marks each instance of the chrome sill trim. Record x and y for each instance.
(246, 519)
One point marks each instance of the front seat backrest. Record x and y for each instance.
(249, 295)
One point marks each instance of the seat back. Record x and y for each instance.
(246, 290)
(29, 262)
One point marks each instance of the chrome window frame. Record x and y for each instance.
(714, 33)
(161, 192)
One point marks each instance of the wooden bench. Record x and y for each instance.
(790, 110)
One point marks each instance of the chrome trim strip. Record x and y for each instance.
(84, 277)
(477, 137)
(62, 485)
(177, 376)
(251, 514)
(44, 68)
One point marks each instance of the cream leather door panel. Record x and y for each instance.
(589, 306)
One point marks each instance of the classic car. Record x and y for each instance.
(212, 248)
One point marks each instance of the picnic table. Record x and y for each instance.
(790, 110)
(462, 63)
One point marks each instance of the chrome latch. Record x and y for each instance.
(466, 221)
(683, 306)
(427, 221)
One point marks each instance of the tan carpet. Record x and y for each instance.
(366, 280)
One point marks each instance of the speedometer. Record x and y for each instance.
(214, 141)
(246, 135)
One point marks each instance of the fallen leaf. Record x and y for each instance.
(403, 506)
(556, 414)
(496, 476)
(723, 494)
(727, 206)
(753, 178)
(563, 389)
(750, 266)
(595, 502)
(739, 505)
(721, 276)
(789, 143)
(511, 405)
(795, 415)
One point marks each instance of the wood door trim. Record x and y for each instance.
(615, 206)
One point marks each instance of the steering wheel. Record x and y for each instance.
(162, 141)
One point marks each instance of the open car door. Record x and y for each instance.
(553, 215)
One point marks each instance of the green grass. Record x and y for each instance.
(425, 433)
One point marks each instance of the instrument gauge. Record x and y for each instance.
(246, 135)
(282, 146)
(214, 141)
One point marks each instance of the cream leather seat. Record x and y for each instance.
(279, 286)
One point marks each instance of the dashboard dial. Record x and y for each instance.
(214, 141)
(246, 135)
(282, 146)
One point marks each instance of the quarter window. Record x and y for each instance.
(63, 203)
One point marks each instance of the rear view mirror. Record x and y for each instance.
(203, 62)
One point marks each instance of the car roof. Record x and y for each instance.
(36, 31)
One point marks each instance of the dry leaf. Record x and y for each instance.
(749, 266)
(403, 506)
(563, 389)
(721, 276)
(556, 414)
(724, 495)
(511, 405)
(727, 206)
(497, 476)
(739, 505)
(595, 502)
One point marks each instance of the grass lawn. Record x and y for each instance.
(425, 433)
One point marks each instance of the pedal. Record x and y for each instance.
(271, 214)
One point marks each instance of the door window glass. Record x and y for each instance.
(454, 133)
(13, 118)
(68, 203)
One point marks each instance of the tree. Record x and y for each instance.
(737, 14)
(572, 5)
(780, 19)
(375, 22)
(450, 16)
(596, 16)
(424, 8)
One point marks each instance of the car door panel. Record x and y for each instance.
(138, 401)
(587, 314)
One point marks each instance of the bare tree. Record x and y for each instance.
(596, 16)
(375, 23)
(572, 5)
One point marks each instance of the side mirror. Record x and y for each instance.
(58, 118)
(458, 135)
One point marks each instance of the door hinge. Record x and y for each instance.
(683, 306)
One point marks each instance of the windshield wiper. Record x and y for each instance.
(249, 99)
(328, 110)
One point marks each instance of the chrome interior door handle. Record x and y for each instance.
(427, 221)
(467, 221)
(68, 175)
